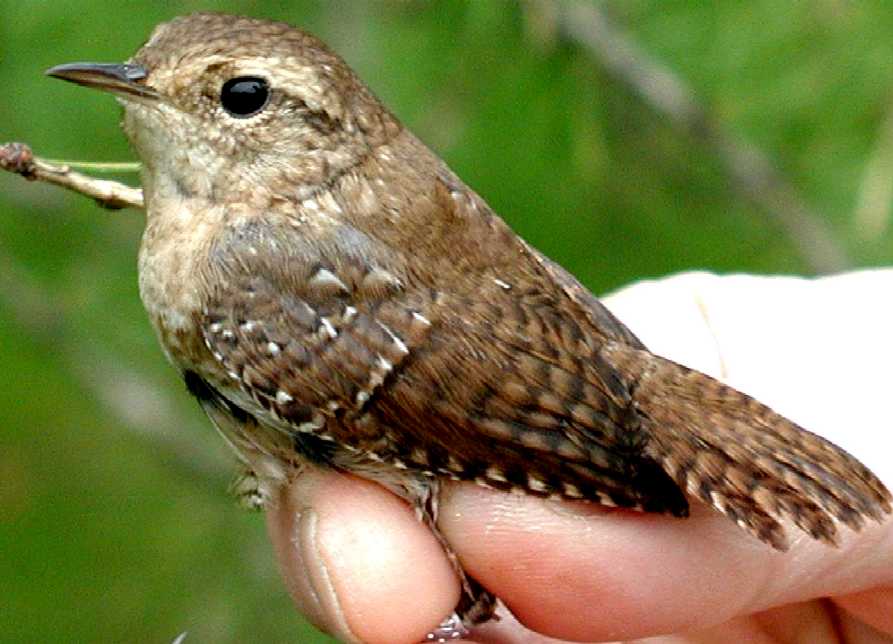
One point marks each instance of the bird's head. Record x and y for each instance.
(215, 103)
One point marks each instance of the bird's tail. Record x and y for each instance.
(744, 459)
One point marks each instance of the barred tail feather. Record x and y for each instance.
(744, 459)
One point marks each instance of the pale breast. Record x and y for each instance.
(174, 247)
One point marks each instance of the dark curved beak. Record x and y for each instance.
(123, 79)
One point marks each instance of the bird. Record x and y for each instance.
(332, 293)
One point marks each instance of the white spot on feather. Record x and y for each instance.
(316, 423)
(382, 368)
(495, 474)
(451, 475)
(535, 484)
(401, 346)
(380, 278)
(421, 318)
(324, 278)
(327, 328)
(283, 397)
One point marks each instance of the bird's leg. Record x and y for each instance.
(252, 493)
(476, 605)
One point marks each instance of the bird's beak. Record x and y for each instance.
(123, 79)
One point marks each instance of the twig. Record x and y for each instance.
(98, 166)
(18, 158)
(750, 169)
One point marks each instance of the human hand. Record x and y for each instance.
(818, 351)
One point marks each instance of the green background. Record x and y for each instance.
(115, 525)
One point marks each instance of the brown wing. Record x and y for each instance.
(500, 388)
(535, 387)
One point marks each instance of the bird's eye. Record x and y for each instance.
(244, 96)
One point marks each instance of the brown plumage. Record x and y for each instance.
(332, 291)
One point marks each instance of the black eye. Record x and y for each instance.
(244, 96)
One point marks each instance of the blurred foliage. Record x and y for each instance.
(104, 537)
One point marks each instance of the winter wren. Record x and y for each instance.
(331, 292)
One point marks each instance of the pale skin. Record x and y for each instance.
(360, 566)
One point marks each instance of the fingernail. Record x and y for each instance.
(306, 572)
(303, 541)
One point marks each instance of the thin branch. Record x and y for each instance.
(19, 159)
(751, 171)
(98, 166)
